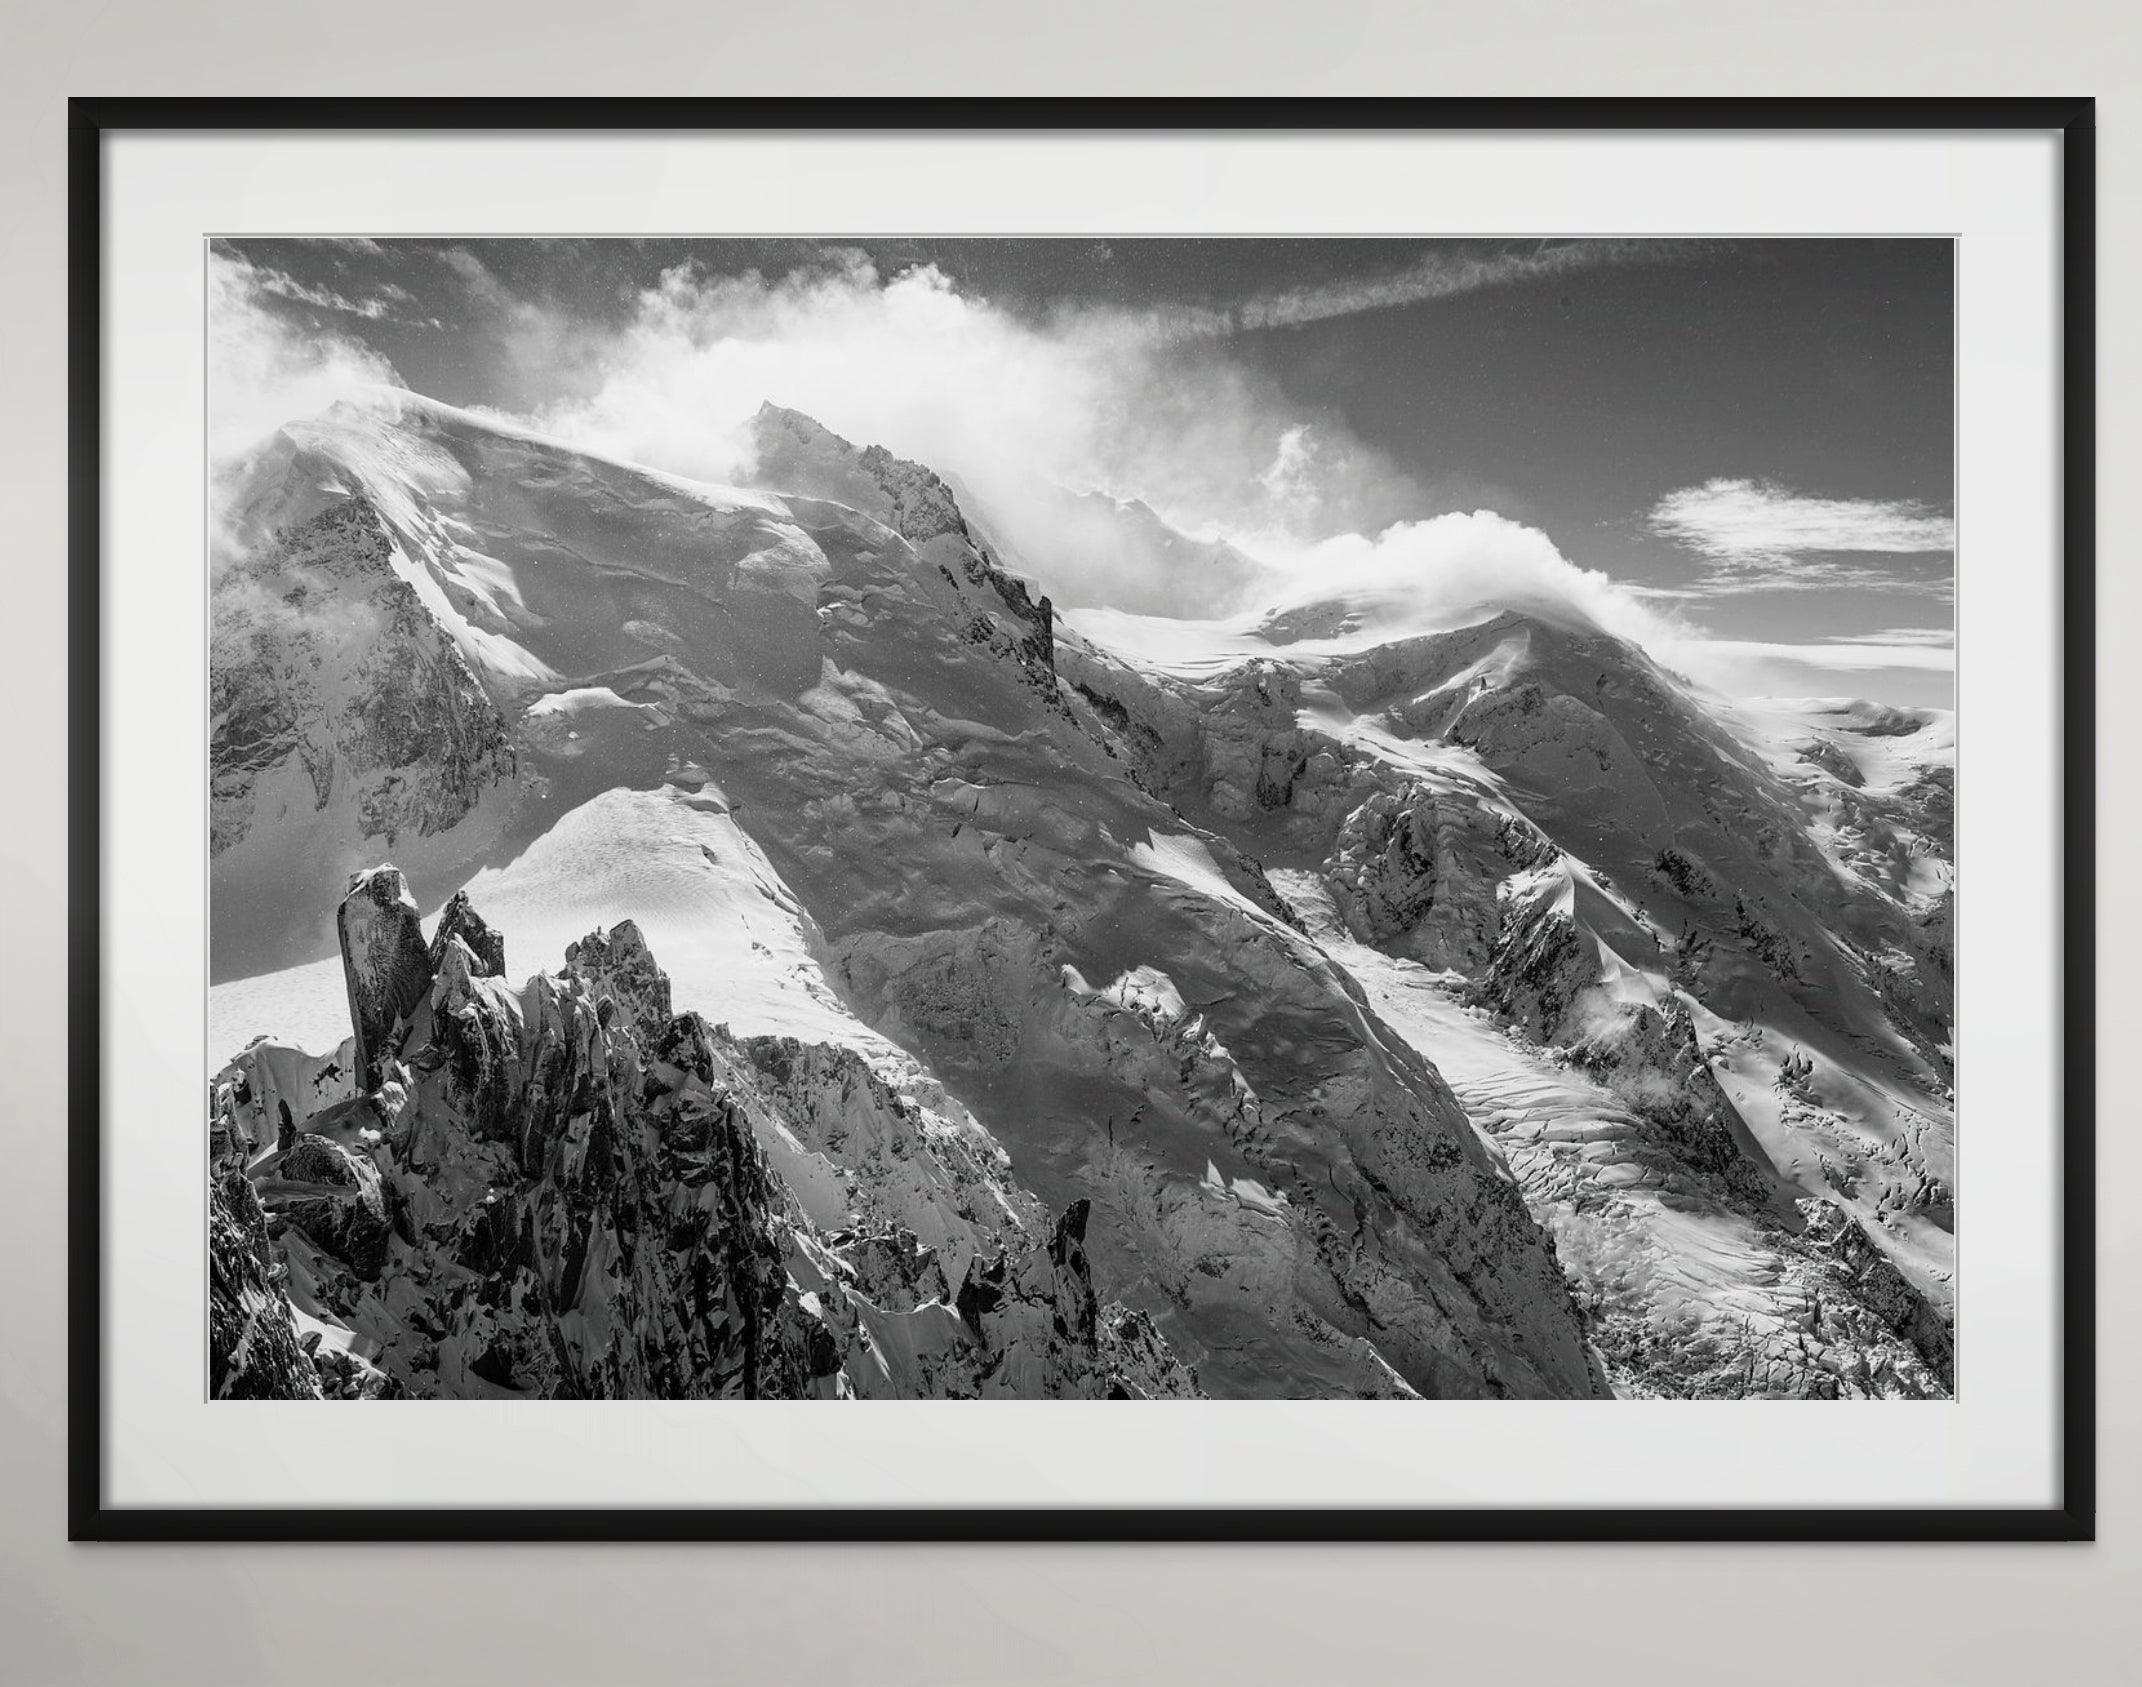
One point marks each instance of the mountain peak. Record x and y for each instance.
(772, 415)
(799, 454)
(1403, 986)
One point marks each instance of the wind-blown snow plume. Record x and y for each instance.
(1454, 569)
(1023, 410)
(1018, 410)
(1089, 399)
(262, 370)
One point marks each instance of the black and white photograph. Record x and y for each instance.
(983, 846)
(1140, 819)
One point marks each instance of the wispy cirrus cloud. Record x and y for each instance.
(482, 285)
(1854, 654)
(1439, 274)
(376, 306)
(1753, 521)
(1759, 536)
(1927, 638)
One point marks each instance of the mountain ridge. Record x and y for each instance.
(1144, 925)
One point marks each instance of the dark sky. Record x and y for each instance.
(1573, 385)
(1577, 400)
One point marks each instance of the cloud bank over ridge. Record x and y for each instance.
(1022, 408)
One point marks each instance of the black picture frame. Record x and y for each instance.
(2072, 1518)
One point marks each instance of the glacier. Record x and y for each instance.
(917, 991)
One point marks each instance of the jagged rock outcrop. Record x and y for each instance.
(796, 454)
(1416, 873)
(1648, 1059)
(991, 856)
(253, 1347)
(1023, 1323)
(459, 920)
(874, 1161)
(1037, 1314)
(1873, 1282)
(1453, 858)
(334, 1196)
(325, 661)
(386, 965)
(558, 1191)
(959, 823)
(1834, 762)
(1543, 972)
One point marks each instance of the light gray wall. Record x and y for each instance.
(1958, 1616)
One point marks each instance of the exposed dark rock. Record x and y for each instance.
(1033, 916)
(326, 660)
(253, 1349)
(334, 1196)
(1875, 1283)
(1415, 872)
(1539, 973)
(554, 1192)
(1834, 762)
(1649, 1061)
(612, 1226)
(385, 963)
(458, 919)
(1040, 1329)
(617, 964)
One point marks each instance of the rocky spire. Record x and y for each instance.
(460, 919)
(384, 963)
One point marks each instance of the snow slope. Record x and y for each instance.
(734, 941)
(1691, 1291)
(1603, 850)
(1186, 920)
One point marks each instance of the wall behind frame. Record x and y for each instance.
(544, 1615)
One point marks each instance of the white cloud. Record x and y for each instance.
(1762, 537)
(1086, 400)
(1444, 273)
(1717, 659)
(264, 371)
(479, 281)
(1441, 273)
(1018, 409)
(1937, 638)
(374, 308)
(1452, 570)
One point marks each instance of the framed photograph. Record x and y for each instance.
(1112, 820)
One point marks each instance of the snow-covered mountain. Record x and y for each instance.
(1295, 1005)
